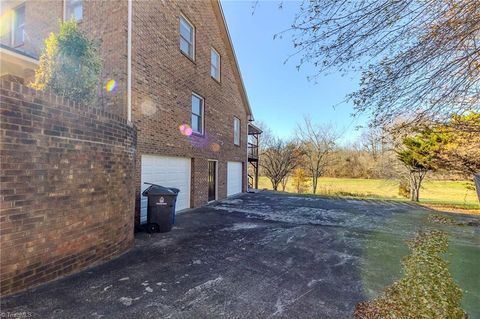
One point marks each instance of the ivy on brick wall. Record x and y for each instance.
(69, 65)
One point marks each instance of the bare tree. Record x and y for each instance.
(317, 143)
(284, 182)
(266, 136)
(374, 141)
(279, 158)
(420, 60)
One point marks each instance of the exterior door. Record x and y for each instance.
(234, 178)
(212, 181)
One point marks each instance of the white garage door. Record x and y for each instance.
(169, 172)
(234, 178)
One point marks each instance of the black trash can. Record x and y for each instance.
(176, 191)
(161, 208)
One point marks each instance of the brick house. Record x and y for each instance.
(175, 78)
(171, 109)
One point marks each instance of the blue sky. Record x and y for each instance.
(279, 94)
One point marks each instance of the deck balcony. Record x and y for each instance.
(253, 142)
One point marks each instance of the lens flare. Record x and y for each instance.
(111, 86)
(148, 107)
(6, 22)
(200, 141)
(185, 130)
(215, 147)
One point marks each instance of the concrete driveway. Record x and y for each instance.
(263, 255)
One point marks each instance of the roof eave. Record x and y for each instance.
(236, 65)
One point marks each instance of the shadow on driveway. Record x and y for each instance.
(262, 255)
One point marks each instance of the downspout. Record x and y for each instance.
(129, 63)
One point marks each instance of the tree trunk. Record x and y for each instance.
(414, 194)
(284, 183)
(314, 184)
(274, 184)
(477, 185)
(416, 178)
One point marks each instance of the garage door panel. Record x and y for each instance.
(234, 178)
(169, 172)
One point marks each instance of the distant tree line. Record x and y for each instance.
(448, 151)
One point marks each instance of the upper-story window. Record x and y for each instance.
(215, 65)
(236, 131)
(73, 10)
(187, 37)
(197, 113)
(18, 26)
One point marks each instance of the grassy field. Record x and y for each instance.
(448, 193)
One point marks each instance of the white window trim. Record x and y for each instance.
(65, 11)
(219, 65)
(12, 26)
(202, 111)
(236, 119)
(193, 36)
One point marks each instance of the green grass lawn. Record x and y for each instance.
(450, 193)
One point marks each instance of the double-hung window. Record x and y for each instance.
(236, 131)
(197, 114)
(73, 10)
(187, 38)
(18, 26)
(215, 65)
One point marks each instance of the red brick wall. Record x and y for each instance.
(163, 81)
(66, 187)
(104, 21)
(163, 78)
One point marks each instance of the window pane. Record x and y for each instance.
(236, 131)
(214, 72)
(195, 123)
(186, 37)
(18, 36)
(214, 58)
(196, 105)
(185, 47)
(19, 16)
(197, 110)
(215, 65)
(186, 30)
(199, 124)
(19, 26)
(74, 10)
(78, 12)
